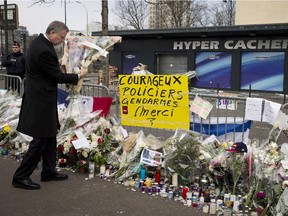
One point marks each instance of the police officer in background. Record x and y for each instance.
(15, 65)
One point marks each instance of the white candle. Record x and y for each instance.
(219, 203)
(175, 179)
(236, 206)
(24, 147)
(102, 169)
(212, 208)
(91, 170)
(205, 208)
(107, 172)
(232, 198)
(17, 145)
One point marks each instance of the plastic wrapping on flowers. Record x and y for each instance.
(127, 155)
(266, 186)
(130, 156)
(281, 208)
(181, 156)
(80, 51)
(9, 111)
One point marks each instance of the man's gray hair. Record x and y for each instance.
(57, 26)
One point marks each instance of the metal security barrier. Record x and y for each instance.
(11, 82)
(88, 89)
(226, 117)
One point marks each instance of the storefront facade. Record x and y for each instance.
(231, 58)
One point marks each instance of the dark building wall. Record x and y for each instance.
(149, 46)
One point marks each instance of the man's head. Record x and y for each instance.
(16, 47)
(56, 32)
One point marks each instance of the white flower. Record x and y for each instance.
(201, 157)
(285, 184)
(273, 145)
(93, 144)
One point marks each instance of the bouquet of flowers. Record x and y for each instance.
(266, 187)
(182, 158)
(103, 138)
(80, 51)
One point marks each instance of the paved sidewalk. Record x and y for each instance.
(80, 197)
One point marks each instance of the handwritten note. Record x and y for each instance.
(271, 110)
(201, 107)
(253, 109)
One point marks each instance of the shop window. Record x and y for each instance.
(262, 70)
(213, 69)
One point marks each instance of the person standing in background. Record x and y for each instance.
(15, 65)
(38, 115)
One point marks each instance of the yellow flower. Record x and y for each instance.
(7, 128)
(273, 151)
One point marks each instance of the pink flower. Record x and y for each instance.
(99, 140)
(261, 195)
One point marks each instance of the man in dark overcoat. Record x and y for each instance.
(38, 116)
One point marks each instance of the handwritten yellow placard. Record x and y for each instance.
(157, 101)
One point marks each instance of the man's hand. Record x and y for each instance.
(83, 72)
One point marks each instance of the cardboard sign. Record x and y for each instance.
(157, 101)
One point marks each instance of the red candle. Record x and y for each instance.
(184, 192)
(157, 176)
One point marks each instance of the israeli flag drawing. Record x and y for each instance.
(226, 129)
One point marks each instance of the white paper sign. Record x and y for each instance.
(80, 143)
(253, 109)
(201, 107)
(79, 134)
(226, 104)
(271, 110)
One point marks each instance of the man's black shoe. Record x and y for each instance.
(25, 184)
(55, 177)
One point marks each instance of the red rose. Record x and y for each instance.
(107, 130)
(99, 140)
(73, 151)
(60, 148)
